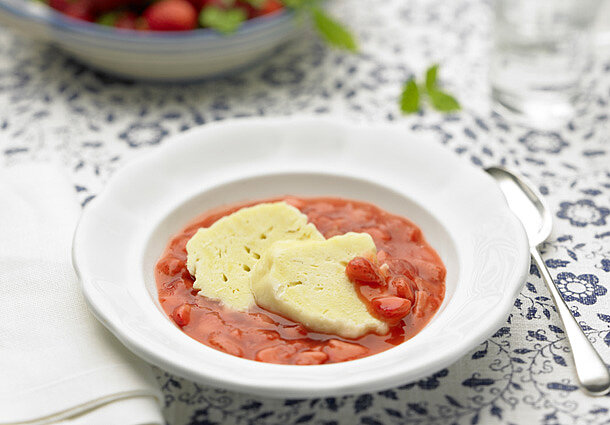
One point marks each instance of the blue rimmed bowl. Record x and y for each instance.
(192, 55)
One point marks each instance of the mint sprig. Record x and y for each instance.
(443, 102)
(431, 74)
(438, 99)
(409, 100)
(229, 18)
(333, 32)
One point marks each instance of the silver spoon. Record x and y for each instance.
(529, 207)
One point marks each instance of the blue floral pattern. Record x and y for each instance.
(583, 288)
(140, 134)
(55, 109)
(583, 212)
(546, 142)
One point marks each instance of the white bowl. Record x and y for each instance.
(459, 208)
(196, 54)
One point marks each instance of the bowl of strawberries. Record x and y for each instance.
(159, 40)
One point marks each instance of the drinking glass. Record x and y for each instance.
(541, 52)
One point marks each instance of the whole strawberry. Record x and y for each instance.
(60, 5)
(80, 9)
(171, 15)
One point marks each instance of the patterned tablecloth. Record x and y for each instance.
(54, 109)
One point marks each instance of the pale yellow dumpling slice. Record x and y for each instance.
(305, 281)
(222, 255)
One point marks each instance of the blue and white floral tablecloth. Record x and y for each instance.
(54, 109)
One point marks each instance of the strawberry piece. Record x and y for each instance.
(270, 6)
(224, 343)
(361, 270)
(421, 303)
(208, 325)
(279, 354)
(294, 332)
(429, 271)
(391, 309)
(182, 315)
(369, 292)
(382, 256)
(169, 266)
(340, 351)
(402, 288)
(400, 266)
(171, 15)
(310, 357)
(80, 9)
(268, 334)
(425, 302)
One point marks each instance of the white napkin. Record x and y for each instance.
(57, 363)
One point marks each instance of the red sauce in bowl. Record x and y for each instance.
(409, 291)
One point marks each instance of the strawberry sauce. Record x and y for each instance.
(403, 286)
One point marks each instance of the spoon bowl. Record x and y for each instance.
(527, 203)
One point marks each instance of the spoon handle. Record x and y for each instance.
(590, 368)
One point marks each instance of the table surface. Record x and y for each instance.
(54, 109)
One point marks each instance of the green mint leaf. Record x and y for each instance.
(225, 21)
(333, 32)
(431, 77)
(443, 102)
(409, 100)
(440, 100)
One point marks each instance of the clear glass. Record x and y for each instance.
(601, 27)
(541, 52)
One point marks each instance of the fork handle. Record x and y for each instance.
(590, 368)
